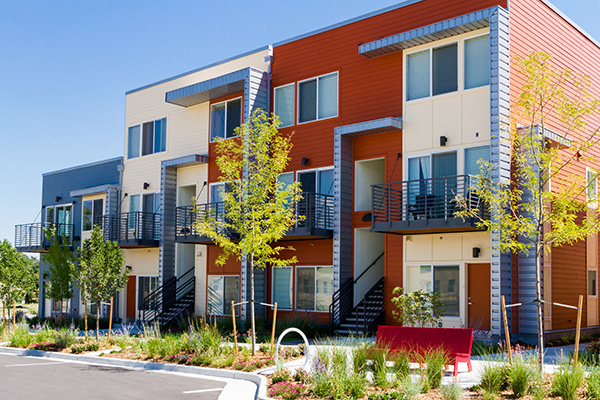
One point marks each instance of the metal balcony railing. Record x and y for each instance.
(131, 227)
(317, 210)
(428, 200)
(32, 236)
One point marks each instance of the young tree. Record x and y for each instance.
(258, 207)
(99, 272)
(544, 205)
(60, 260)
(15, 277)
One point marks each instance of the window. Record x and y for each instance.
(60, 217)
(592, 185)
(221, 291)
(477, 61)
(92, 211)
(282, 287)
(146, 285)
(225, 117)
(472, 157)
(445, 69)
(318, 98)
(316, 181)
(443, 279)
(284, 104)
(153, 138)
(313, 288)
(417, 75)
(592, 285)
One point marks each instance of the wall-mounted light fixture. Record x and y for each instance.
(443, 140)
(129, 268)
(476, 251)
(146, 185)
(578, 156)
(304, 161)
(58, 198)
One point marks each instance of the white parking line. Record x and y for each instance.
(203, 390)
(34, 364)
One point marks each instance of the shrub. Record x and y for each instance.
(494, 377)
(593, 384)
(523, 373)
(418, 308)
(20, 336)
(567, 380)
(286, 390)
(301, 375)
(85, 347)
(401, 367)
(436, 360)
(451, 392)
(44, 346)
(281, 376)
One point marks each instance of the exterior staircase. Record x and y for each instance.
(344, 319)
(175, 298)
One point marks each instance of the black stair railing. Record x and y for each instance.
(371, 307)
(158, 304)
(342, 299)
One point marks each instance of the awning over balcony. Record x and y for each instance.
(201, 92)
(440, 30)
(92, 190)
(370, 127)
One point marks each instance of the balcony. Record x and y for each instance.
(317, 224)
(424, 206)
(31, 238)
(131, 229)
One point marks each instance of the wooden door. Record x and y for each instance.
(479, 296)
(131, 291)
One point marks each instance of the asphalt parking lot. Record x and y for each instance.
(30, 377)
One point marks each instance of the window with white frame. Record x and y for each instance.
(434, 71)
(316, 181)
(591, 185)
(92, 211)
(473, 155)
(442, 279)
(284, 104)
(282, 287)
(147, 138)
(222, 289)
(318, 98)
(313, 288)
(225, 118)
(146, 285)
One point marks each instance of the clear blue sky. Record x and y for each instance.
(66, 65)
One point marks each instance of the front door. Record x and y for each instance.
(478, 300)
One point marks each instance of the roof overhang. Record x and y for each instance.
(426, 34)
(370, 127)
(92, 190)
(186, 161)
(201, 92)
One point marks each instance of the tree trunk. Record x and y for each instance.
(98, 321)
(539, 305)
(253, 325)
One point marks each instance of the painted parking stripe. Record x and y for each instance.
(203, 390)
(34, 364)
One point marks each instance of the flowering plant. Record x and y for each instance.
(286, 390)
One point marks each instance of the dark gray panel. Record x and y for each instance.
(168, 200)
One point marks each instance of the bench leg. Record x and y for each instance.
(469, 365)
(455, 368)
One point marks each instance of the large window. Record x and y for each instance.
(221, 291)
(146, 285)
(153, 138)
(472, 157)
(92, 211)
(284, 104)
(282, 287)
(225, 117)
(313, 288)
(435, 71)
(316, 181)
(477, 61)
(592, 185)
(318, 98)
(442, 279)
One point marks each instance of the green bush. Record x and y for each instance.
(78, 348)
(436, 361)
(593, 384)
(286, 390)
(567, 380)
(494, 377)
(20, 336)
(523, 373)
(281, 376)
(451, 392)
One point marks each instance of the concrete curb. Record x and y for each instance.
(259, 380)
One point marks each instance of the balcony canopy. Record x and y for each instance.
(370, 127)
(426, 34)
(215, 88)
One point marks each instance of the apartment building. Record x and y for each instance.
(390, 112)
(73, 200)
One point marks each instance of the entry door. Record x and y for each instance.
(131, 290)
(478, 300)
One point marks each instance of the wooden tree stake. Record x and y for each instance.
(274, 324)
(14, 314)
(85, 318)
(110, 319)
(578, 331)
(506, 332)
(234, 330)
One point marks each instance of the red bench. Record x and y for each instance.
(456, 342)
